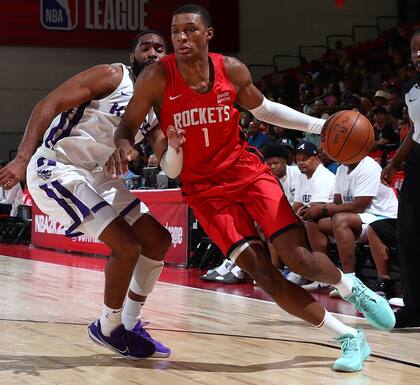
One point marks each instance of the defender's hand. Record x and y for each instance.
(12, 173)
(117, 164)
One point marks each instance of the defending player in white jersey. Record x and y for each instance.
(67, 179)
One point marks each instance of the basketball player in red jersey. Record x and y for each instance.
(226, 182)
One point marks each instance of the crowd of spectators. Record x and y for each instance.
(371, 80)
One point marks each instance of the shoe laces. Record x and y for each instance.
(139, 329)
(348, 345)
(362, 300)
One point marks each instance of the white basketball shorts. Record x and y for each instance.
(82, 201)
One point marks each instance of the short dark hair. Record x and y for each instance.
(275, 150)
(197, 10)
(143, 32)
(3, 163)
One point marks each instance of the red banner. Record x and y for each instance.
(166, 206)
(105, 23)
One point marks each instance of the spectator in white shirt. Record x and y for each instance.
(316, 183)
(276, 156)
(359, 199)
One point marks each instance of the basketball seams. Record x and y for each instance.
(362, 148)
(348, 134)
(329, 126)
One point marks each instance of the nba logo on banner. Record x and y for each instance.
(59, 14)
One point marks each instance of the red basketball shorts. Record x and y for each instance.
(228, 204)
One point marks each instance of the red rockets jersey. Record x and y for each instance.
(214, 139)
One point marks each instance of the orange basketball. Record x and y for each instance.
(347, 137)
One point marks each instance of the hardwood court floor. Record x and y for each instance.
(216, 338)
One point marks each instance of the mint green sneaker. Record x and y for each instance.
(374, 307)
(354, 350)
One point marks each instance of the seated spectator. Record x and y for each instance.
(395, 104)
(385, 132)
(382, 236)
(380, 99)
(13, 196)
(315, 185)
(359, 199)
(276, 157)
(256, 136)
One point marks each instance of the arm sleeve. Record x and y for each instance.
(283, 116)
(171, 162)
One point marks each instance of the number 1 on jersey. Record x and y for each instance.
(206, 136)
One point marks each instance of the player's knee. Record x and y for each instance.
(129, 251)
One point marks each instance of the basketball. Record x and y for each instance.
(347, 136)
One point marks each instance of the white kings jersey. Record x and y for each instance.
(84, 136)
(365, 181)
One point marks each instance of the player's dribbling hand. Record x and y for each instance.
(176, 137)
(12, 173)
(117, 164)
(387, 174)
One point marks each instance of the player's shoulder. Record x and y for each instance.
(236, 70)
(108, 70)
(234, 64)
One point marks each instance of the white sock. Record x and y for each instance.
(335, 326)
(226, 266)
(110, 319)
(237, 272)
(131, 312)
(345, 286)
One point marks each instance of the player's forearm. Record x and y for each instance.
(404, 150)
(286, 117)
(41, 118)
(124, 133)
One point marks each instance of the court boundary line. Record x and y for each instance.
(323, 344)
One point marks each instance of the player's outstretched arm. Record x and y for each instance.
(263, 109)
(93, 83)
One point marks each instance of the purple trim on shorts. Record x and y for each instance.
(59, 126)
(62, 203)
(52, 139)
(75, 120)
(97, 207)
(67, 194)
(130, 207)
(41, 161)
